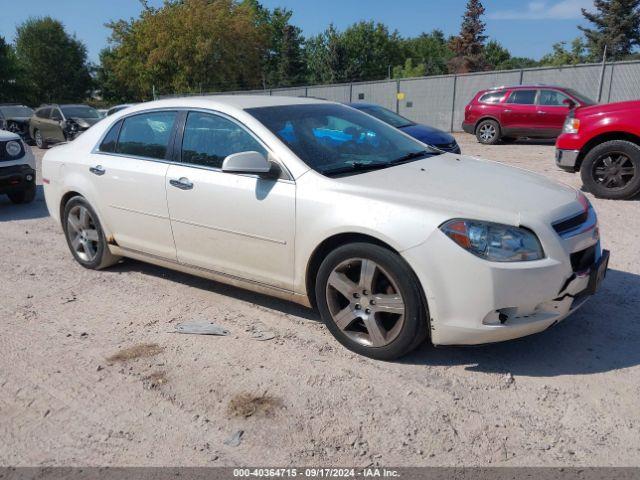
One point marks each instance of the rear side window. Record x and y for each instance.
(493, 97)
(146, 135)
(209, 139)
(552, 98)
(43, 113)
(111, 139)
(522, 97)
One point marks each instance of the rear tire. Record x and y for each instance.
(85, 236)
(379, 314)
(488, 132)
(39, 139)
(612, 170)
(25, 196)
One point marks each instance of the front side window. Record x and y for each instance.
(334, 139)
(493, 97)
(43, 113)
(209, 139)
(552, 98)
(522, 97)
(56, 115)
(146, 135)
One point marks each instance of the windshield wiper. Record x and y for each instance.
(355, 167)
(411, 156)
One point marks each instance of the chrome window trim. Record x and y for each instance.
(96, 149)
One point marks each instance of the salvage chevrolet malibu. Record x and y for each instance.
(393, 241)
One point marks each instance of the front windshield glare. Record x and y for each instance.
(337, 139)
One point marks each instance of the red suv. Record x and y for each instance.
(535, 111)
(602, 142)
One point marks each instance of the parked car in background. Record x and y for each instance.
(321, 204)
(52, 124)
(602, 142)
(117, 108)
(14, 117)
(533, 111)
(17, 168)
(102, 112)
(424, 133)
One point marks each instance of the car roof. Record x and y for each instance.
(240, 102)
(526, 86)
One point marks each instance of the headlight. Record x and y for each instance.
(493, 241)
(13, 148)
(571, 125)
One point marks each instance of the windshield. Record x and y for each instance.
(385, 115)
(80, 111)
(334, 139)
(584, 100)
(15, 111)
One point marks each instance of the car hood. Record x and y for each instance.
(6, 136)
(85, 122)
(463, 186)
(428, 135)
(607, 108)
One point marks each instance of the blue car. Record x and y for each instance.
(424, 133)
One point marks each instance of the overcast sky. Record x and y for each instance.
(527, 28)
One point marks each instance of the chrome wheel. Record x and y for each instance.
(487, 132)
(365, 302)
(82, 233)
(38, 139)
(614, 170)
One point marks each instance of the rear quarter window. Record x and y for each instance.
(110, 140)
(492, 97)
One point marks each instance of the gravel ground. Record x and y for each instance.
(90, 373)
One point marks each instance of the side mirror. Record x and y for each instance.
(246, 162)
(569, 103)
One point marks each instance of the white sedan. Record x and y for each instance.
(393, 241)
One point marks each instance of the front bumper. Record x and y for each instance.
(567, 159)
(472, 301)
(16, 178)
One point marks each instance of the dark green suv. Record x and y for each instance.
(52, 124)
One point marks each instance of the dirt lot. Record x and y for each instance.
(90, 373)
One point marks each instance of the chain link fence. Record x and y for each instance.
(440, 100)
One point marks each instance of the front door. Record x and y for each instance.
(551, 111)
(129, 172)
(239, 225)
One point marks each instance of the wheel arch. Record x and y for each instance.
(331, 243)
(602, 138)
(486, 117)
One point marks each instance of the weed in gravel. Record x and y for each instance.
(249, 404)
(137, 351)
(155, 380)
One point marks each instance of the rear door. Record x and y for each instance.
(551, 112)
(129, 171)
(519, 114)
(54, 127)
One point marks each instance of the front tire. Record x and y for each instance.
(612, 170)
(25, 196)
(85, 236)
(488, 132)
(371, 302)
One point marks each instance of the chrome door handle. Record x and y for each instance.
(542, 113)
(183, 183)
(507, 110)
(97, 170)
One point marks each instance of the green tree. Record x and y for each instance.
(616, 25)
(11, 77)
(577, 53)
(326, 57)
(468, 46)
(186, 46)
(431, 49)
(409, 70)
(498, 57)
(285, 57)
(54, 62)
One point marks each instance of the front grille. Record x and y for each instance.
(571, 223)
(4, 156)
(584, 259)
